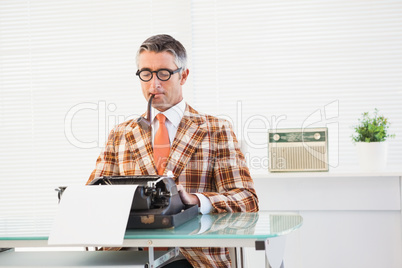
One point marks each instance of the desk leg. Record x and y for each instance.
(239, 257)
(152, 262)
(151, 257)
(274, 251)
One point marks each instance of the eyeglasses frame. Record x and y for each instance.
(156, 72)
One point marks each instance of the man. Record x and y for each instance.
(202, 151)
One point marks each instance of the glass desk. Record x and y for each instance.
(260, 230)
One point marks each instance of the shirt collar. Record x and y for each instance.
(175, 113)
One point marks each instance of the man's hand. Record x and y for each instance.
(188, 199)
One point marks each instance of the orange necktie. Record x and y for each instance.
(161, 145)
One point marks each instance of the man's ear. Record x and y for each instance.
(184, 76)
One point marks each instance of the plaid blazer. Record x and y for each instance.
(205, 158)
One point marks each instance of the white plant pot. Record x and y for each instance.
(372, 155)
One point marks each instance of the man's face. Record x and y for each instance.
(167, 93)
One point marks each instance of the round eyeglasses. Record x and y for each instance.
(162, 74)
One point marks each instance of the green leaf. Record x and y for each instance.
(372, 128)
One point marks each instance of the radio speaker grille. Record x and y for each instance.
(298, 150)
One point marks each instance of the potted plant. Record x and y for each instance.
(370, 138)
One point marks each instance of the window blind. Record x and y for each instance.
(296, 64)
(67, 77)
(67, 73)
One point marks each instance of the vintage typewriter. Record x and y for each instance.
(156, 202)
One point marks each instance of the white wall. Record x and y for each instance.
(349, 220)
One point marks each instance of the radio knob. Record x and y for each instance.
(317, 136)
(276, 137)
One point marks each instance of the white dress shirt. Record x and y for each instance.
(173, 118)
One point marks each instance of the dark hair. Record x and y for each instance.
(162, 43)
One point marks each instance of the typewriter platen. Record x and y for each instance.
(156, 202)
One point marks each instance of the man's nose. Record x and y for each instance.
(155, 82)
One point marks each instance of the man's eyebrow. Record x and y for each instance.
(149, 69)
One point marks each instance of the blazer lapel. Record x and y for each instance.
(189, 134)
(139, 143)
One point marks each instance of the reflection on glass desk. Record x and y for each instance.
(262, 230)
(224, 226)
